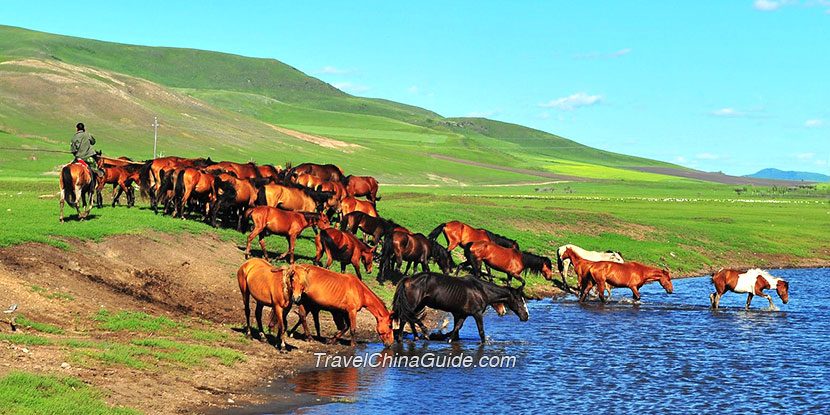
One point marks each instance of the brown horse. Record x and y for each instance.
(241, 171)
(459, 233)
(752, 282)
(121, 176)
(362, 186)
(632, 275)
(269, 171)
(350, 204)
(235, 194)
(193, 185)
(511, 261)
(370, 225)
(77, 188)
(341, 294)
(149, 176)
(308, 180)
(268, 220)
(293, 198)
(413, 248)
(346, 248)
(327, 172)
(270, 287)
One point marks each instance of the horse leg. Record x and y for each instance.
(262, 245)
(461, 265)
(356, 266)
(352, 324)
(251, 237)
(258, 315)
(770, 300)
(518, 277)
(62, 202)
(635, 293)
(459, 322)
(288, 250)
(279, 316)
(408, 264)
(748, 300)
(480, 324)
(78, 200)
(246, 296)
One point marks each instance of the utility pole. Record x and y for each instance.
(155, 134)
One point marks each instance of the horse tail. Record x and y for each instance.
(328, 243)
(178, 189)
(68, 186)
(401, 309)
(435, 232)
(144, 179)
(386, 253)
(261, 194)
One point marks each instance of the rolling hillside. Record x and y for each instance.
(240, 108)
(790, 175)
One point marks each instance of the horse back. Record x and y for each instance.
(262, 281)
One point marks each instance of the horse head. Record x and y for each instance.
(547, 269)
(442, 257)
(516, 303)
(665, 281)
(782, 287)
(385, 331)
(367, 256)
(500, 309)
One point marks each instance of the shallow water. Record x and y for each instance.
(670, 353)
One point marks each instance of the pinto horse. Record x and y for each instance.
(268, 220)
(564, 264)
(362, 186)
(341, 294)
(463, 297)
(459, 233)
(350, 204)
(270, 287)
(346, 248)
(511, 261)
(370, 225)
(77, 188)
(632, 275)
(752, 282)
(414, 248)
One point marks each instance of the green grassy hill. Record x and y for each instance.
(227, 106)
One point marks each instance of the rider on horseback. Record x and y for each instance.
(81, 147)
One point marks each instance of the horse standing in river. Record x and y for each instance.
(752, 282)
(632, 275)
(564, 264)
(463, 297)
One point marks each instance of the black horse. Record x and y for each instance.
(463, 297)
(414, 249)
(370, 225)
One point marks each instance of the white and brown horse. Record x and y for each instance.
(77, 188)
(563, 264)
(752, 282)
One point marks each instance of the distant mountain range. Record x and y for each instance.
(790, 175)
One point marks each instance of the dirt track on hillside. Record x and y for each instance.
(513, 169)
(716, 177)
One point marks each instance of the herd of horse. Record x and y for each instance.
(286, 201)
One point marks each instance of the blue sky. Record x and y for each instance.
(732, 86)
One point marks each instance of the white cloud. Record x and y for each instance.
(804, 155)
(572, 102)
(350, 87)
(734, 113)
(680, 159)
(544, 115)
(813, 123)
(599, 55)
(331, 70)
(727, 112)
(413, 89)
(485, 114)
(708, 156)
(767, 5)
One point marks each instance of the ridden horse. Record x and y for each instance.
(511, 261)
(326, 172)
(413, 248)
(752, 282)
(270, 287)
(268, 220)
(346, 248)
(564, 264)
(370, 225)
(121, 176)
(459, 233)
(77, 187)
(293, 198)
(350, 204)
(236, 194)
(463, 297)
(632, 275)
(341, 294)
(362, 186)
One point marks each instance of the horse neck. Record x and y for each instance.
(495, 293)
(372, 302)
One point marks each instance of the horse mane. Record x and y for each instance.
(534, 263)
(501, 240)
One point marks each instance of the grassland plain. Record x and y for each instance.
(237, 108)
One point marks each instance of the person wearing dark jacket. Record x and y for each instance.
(81, 147)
